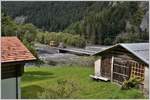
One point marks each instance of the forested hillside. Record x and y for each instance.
(97, 22)
(51, 16)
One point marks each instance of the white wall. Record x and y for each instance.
(8, 88)
(19, 88)
(146, 79)
(97, 67)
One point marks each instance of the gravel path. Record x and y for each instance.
(52, 57)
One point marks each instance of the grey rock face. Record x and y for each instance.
(20, 19)
(144, 26)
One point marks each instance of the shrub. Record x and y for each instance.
(33, 51)
(131, 37)
(69, 39)
(131, 83)
(40, 37)
(107, 41)
(28, 32)
(64, 89)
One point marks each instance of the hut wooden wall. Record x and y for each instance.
(124, 66)
(11, 70)
(106, 66)
(121, 70)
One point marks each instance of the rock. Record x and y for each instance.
(144, 5)
(128, 25)
(20, 19)
(144, 26)
(61, 45)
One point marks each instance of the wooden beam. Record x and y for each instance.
(121, 65)
(120, 74)
(112, 62)
(11, 70)
(100, 65)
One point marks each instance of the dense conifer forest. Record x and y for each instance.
(93, 22)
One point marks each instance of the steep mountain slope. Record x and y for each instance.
(51, 16)
(98, 22)
(105, 26)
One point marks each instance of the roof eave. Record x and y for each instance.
(21, 61)
(145, 61)
(120, 44)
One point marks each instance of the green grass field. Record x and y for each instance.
(37, 79)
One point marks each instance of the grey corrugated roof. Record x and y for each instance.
(140, 50)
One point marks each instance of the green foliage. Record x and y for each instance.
(30, 47)
(75, 28)
(9, 27)
(25, 32)
(102, 27)
(64, 89)
(131, 83)
(137, 17)
(107, 41)
(131, 38)
(28, 31)
(97, 22)
(54, 16)
(69, 39)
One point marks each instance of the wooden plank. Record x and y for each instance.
(99, 77)
(106, 67)
(97, 67)
(11, 71)
(120, 74)
(100, 64)
(120, 65)
(112, 62)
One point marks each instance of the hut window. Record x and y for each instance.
(137, 70)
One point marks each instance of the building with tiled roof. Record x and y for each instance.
(13, 57)
(13, 50)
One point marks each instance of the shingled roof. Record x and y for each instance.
(13, 50)
(140, 50)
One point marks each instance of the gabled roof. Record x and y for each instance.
(12, 50)
(140, 50)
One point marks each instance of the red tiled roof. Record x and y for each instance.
(12, 50)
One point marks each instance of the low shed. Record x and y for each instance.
(13, 57)
(122, 61)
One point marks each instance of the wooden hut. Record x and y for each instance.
(13, 57)
(122, 61)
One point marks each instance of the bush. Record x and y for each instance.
(27, 31)
(64, 89)
(30, 47)
(129, 38)
(69, 39)
(131, 83)
(107, 41)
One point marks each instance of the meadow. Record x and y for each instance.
(70, 82)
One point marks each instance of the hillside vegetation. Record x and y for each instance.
(97, 22)
(30, 34)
